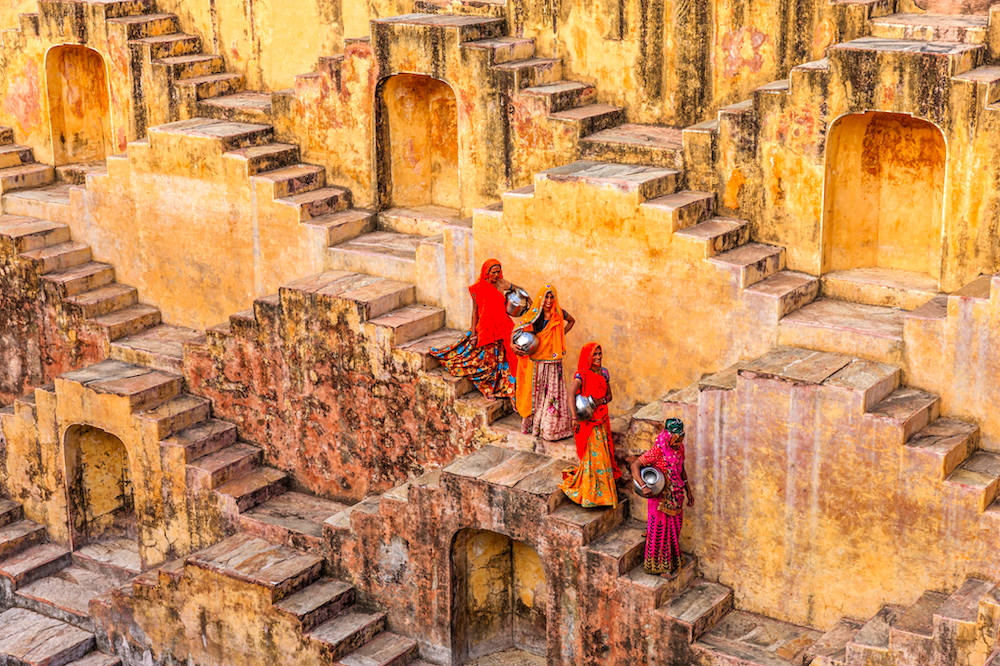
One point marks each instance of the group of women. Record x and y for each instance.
(535, 384)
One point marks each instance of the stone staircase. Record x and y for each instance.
(18, 169)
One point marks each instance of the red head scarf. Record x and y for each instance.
(492, 323)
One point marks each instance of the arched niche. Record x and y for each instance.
(499, 596)
(79, 110)
(884, 200)
(420, 160)
(99, 487)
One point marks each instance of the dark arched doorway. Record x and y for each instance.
(421, 115)
(79, 111)
(499, 596)
(884, 198)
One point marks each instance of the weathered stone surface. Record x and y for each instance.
(41, 641)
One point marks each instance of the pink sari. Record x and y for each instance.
(663, 532)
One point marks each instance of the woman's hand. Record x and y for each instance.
(646, 490)
(473, 337)
(690, 495)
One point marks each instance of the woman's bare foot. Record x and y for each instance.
(526, 425)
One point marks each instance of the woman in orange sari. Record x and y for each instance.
(592, 482)
(484, 354)
(541, 397)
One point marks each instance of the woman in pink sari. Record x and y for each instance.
(666, 510)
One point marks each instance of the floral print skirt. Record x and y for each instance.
(485, 366)
(550, 418)
(592, 482)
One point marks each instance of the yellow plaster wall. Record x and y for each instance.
(530, 599)
(79, 109)
(100, 479)
(489, 600)
(884, 193)
(10, 10)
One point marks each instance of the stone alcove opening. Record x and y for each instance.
(499, 596)
(79, 110)
(102, 515)
(418, 146)
(884, 201)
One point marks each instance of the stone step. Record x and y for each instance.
(718, 234)
(747, 638)
(117, 559)
(620, 550)
(19, 536)
(12, 155)
(386, 649)
(176, 414)
(293, 179)
(103, 300)
(684, 209)
(654, 591)
(698, 608)
(247, 106)
(476, 404)
(97, 659)
(453, 387)
(530, 71)
(57, 257)
(118, 8)
(213, 85)
(345, 225)
(751, 263)
(371, 295)
(426, 220)
(931, 27)
(192, 65)
(644, 182)
(160, 347)
(228, 136)
(318, 203)
(872, 640)
(276, 571)
(128, 321)
(146, 25)
(885, 287)
(267, 157)
(466, 28)
(169, 46)
(590, 118)
(418, 350)
(406, 323)
(76, 174)
(911, 636)
(255, 488)
(979, 475)
(225, 465)
(636, 144)
(317, 603)
(561, 95)
(955, 57)
(34, 563)
(504, 49)
(79, 279)
(384, 254)
(943, 445)
(960, 614)
(142, 387)
(869, 331)
(292, 518)
(44, 202)
(831, 648)
(784, 292)
(66, 595)
(26, 234)
(10, 512)
(202, 439)
(986, 77)
(588, 525)
(909, 409)
(28, 638)
(509, 429)
(348, 631)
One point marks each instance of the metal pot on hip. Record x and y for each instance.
(518, 302)
(653, 478)
(524, 342)
(585, 407)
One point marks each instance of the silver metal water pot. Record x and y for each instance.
(525, 343)
(653, 478)
(585, 407)
(518, 302)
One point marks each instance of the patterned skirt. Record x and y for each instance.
(485, 366)
(663, 541)
(592, 482)
(550, 417)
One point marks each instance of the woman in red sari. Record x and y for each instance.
(592, 482)
(484, 354)
(666, 510)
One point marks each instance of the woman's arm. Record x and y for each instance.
(568, 318)
(636, 470)
(475, 319)
(608, 398)
(575, 391)
(687, 486)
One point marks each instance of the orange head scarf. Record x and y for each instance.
(551, 346)
(492, 322)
